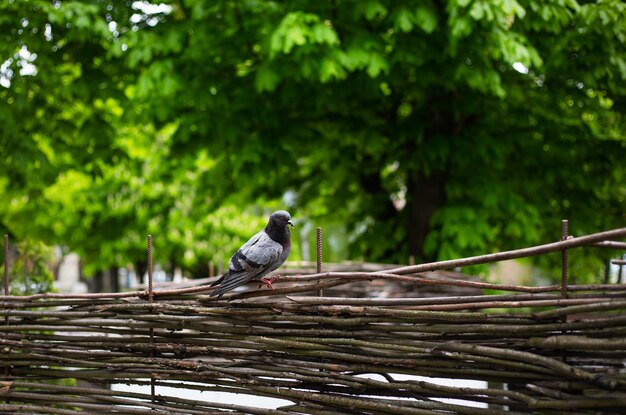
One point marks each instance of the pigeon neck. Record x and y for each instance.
(279, 235)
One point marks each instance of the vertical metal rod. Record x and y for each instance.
(6, 265)
(320, 293)
(564, 236)
(7, 290)
(150, 292)
(7, 369)
(151, 299)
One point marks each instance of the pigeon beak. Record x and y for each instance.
(291, 223)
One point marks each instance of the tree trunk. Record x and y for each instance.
(140, 268)
(106, 281)
(114, 279)
(171, 269)
(425, 194)
(95, 283)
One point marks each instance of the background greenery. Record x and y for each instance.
(429, 128)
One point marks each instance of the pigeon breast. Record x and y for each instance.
(257, 257)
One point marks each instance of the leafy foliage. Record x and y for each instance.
(437, 129)
(30, 272)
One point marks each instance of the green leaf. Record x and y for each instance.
(478, 10)
(371, 9)
(512, 7)
(426, 18)
(377, 64)
(461, 27)
(354, 58)
(83, 21)
(298, 29)
(266, 79)
(295, 36)
(331, 70)
(403, 20)
(325, 34)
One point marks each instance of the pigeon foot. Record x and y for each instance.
(268, 282)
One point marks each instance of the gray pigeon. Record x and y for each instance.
(262, 254)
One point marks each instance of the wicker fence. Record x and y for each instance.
(542, 350)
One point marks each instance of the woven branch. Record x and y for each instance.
(325, 355)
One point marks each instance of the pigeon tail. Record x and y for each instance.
(219, 280)
(234, 280)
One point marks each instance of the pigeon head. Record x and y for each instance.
(278, 226)
(281, 218)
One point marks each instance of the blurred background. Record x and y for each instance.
(408, 130)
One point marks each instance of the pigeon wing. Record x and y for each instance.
(254, 259)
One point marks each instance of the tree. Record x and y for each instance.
(436, 129)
